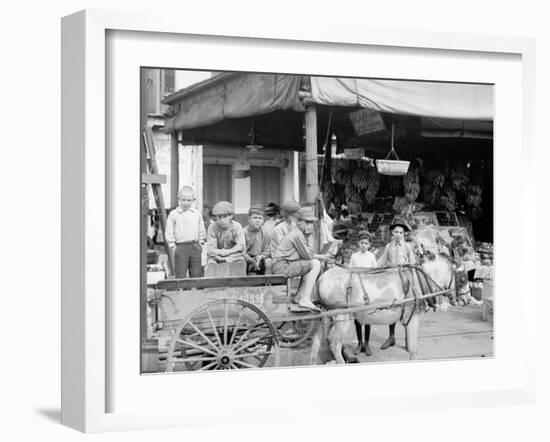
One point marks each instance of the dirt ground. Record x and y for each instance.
(458, 332)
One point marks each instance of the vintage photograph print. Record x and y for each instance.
(302, 220)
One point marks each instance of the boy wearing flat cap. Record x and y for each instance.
(258, 251)
(225, 238)
(397, 252)
(185, 234)
(293, 257)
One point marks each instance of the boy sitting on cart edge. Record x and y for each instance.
(293, 257)
(185, 234)
(225, 238)
(258, 250)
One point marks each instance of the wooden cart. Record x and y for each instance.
(224, 323)
(232, 322)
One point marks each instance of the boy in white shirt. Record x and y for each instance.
(185, 234)
(365, 259)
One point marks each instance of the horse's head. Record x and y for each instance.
(449, 273)
(462, 286)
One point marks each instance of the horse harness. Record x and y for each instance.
(406, 273)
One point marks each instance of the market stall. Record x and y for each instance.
(342, 126)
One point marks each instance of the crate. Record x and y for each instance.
(477, 290)
(487, 312)
(488, 300)
(152, 256)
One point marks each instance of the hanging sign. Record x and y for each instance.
(366, 121)
(354, 154)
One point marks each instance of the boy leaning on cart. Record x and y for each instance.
(225, 237)
(185, 234)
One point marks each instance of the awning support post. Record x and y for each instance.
(312, 173)
(174, 169)
(312, 184)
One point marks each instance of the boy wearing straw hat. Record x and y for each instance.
(397, 252)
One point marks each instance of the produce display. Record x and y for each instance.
(360, 182)
(448, 190)
(485, 252)
(474, 190)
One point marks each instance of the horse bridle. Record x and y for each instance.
(460, 277)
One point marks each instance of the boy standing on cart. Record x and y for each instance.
(185, 234)
(258, 251)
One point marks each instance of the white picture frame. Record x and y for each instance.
(87, 211)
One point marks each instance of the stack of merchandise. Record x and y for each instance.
(485, 252)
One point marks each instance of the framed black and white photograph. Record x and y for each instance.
(282, 227)
(385, 184)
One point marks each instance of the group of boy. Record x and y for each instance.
(275, 240)
(272, 242)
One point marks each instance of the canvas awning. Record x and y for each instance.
(223, 109)
(415, 98)
(453, 128)
(232, 96)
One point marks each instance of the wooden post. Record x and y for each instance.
(312, 184)
(312, 173)
(296, 176)
(174, 169)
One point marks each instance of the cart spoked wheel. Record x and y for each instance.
(295, 333)
(223, 334)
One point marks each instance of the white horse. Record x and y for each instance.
(341, 287)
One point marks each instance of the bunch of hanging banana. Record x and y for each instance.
(459, 177)
(411, 184)
(373, 184)
(359, 178)
(448, 199)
